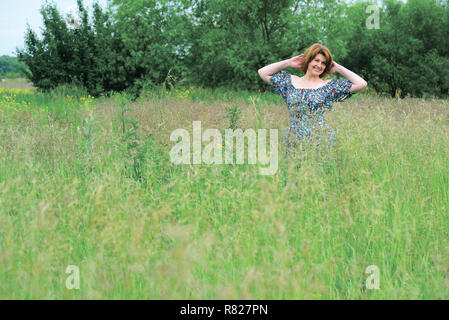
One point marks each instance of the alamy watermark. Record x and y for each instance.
(73, 280)
(212, 153)
(373, 280)
(372, 22)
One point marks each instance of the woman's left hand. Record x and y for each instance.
(334, 67)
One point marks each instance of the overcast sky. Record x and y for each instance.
(15, 14)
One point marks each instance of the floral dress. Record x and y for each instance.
(307, 107)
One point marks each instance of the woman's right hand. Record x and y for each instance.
(266, 72)
(296, 62)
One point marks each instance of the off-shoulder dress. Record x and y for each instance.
(307, 108)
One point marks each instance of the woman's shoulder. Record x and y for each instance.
(282, 74)
(339, 83)
(280, 77)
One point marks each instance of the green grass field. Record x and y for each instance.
(89, 182)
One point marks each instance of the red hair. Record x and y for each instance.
(312, 52)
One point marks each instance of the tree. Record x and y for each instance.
(232, 39)
(48, 59)
(216, 43)
(154, 39)
(10, 67)
(407, 54)
(84, 52)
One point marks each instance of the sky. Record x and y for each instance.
(15, 14)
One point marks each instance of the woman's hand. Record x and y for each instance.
(296, 62)
(334, 67)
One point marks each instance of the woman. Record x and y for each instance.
(308, 97)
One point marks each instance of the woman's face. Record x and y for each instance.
(317, 65)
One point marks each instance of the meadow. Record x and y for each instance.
(89, 182)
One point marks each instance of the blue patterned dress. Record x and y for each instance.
(307, 108)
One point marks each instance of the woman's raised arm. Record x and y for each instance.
(266, 72)
(358, 83)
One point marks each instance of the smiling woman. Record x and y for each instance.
(321, 59)
(308, 97)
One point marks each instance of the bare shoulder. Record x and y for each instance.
(296, 78)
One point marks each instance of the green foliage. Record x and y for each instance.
(221, 232)
(233, 114)
(135, 149)
(408, 54)
(136, 45)
(155, 44)
(84, 52)
(232, 39)
(11, 67)
(87, 145)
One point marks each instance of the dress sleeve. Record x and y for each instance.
(279, 81)
(340, 90)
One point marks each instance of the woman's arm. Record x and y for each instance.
(357, 82)
(266, 72)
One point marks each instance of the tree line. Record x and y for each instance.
(138, 44)
(11, 67)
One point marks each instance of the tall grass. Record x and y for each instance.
(69, 195)
(18, 83)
